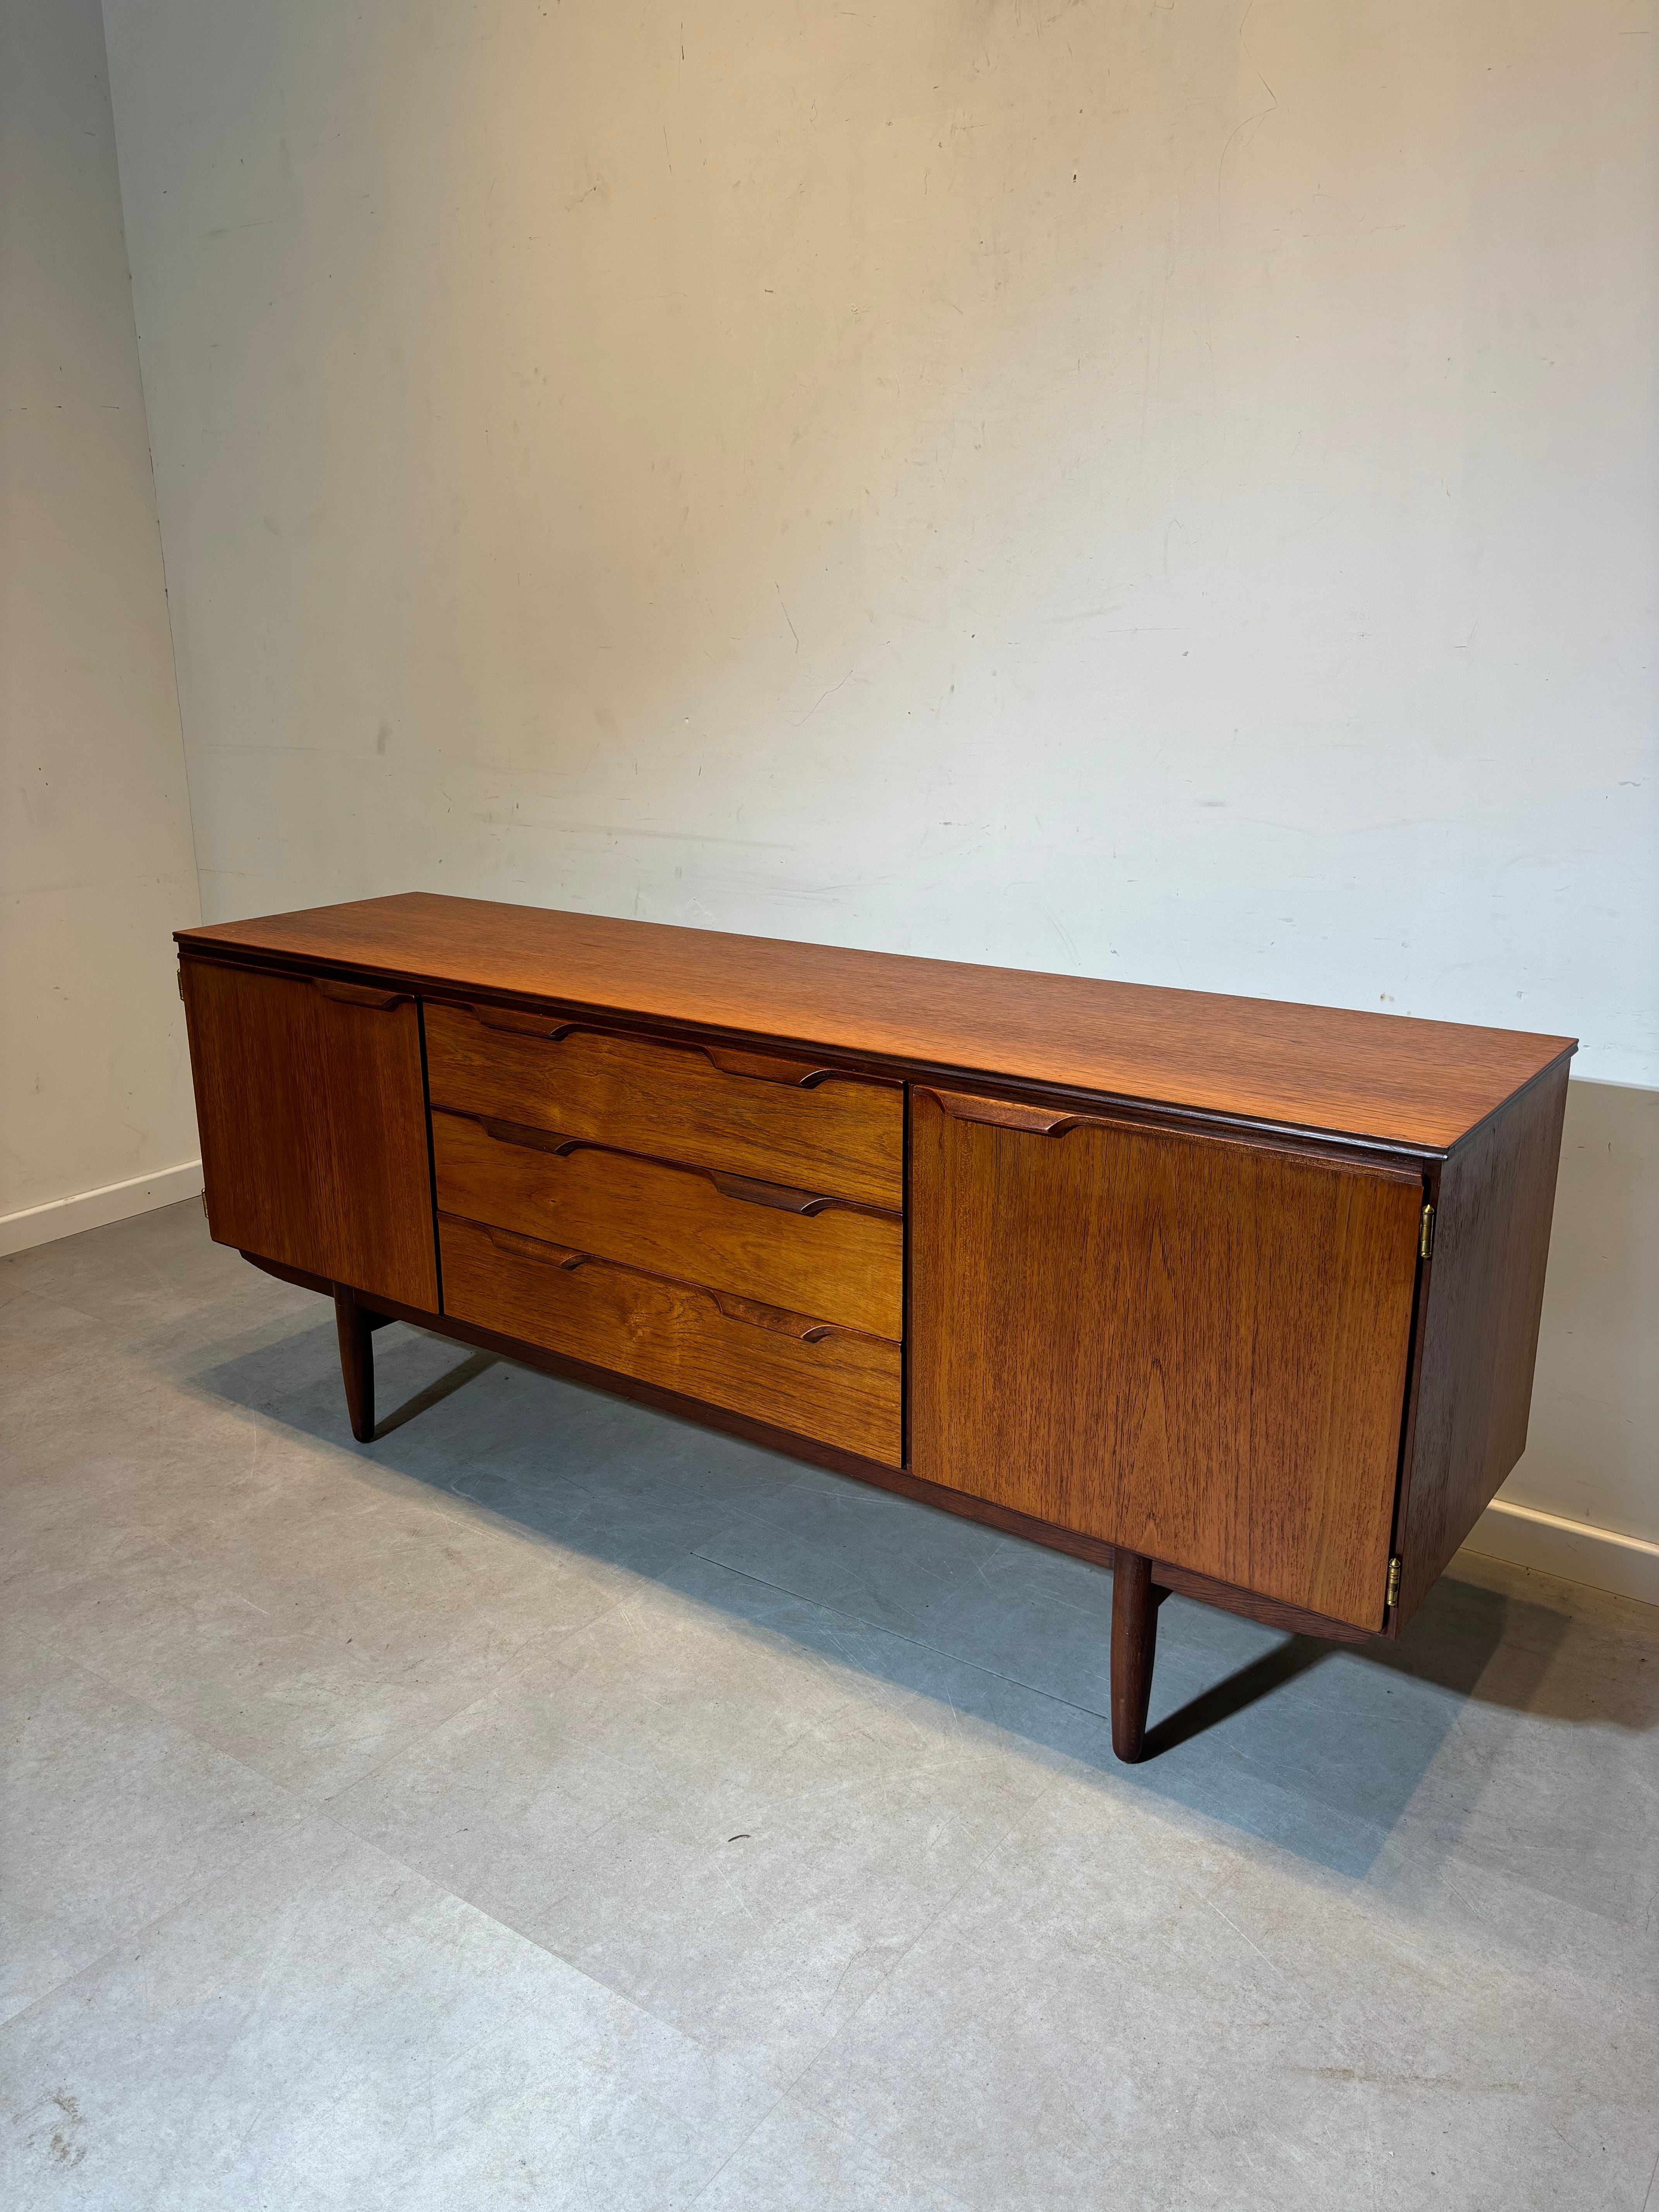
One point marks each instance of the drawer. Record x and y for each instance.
(786, 1248)
(751, 1114)
(817, 1380)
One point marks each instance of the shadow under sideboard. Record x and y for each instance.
(1317, 1748)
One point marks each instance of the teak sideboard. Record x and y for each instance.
(1237, 1298)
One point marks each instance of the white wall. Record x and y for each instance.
(95, 861)
(1156, 488)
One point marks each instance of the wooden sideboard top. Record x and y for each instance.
(1384, 1078)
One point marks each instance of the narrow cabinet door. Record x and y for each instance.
(1189, 1346)
(313, 1112)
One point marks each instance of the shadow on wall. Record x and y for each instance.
(1591, 1453)
(1314, 1747)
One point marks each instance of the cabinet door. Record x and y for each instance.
(313, 1113)
(1189, 1346)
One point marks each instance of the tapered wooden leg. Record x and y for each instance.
(356, 1329)
(1135, 1643)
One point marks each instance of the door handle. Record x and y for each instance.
(360, 995)
(1009, 1114)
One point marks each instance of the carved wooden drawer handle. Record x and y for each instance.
(781, 1323)
(534, 1247)
(749, 1189)
(802, 1327)
(767, 1067)
(778, 1195)
(533, 1140)
(1006, 1114)
(360, 995)
(522, 1024)
(758, 1067)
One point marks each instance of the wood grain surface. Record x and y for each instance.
(313, 1119)
(1382, 1078)
(787, 1370)
(840, 1136)
(1195, 1350)
(814, 1255)
(1483, 1293)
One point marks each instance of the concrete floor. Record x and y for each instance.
(555, 1805)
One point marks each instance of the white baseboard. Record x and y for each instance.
(92, 1209)
(1575, 1550)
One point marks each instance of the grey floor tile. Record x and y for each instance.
(1507, 2044)
(1045, 2031)
(307, 1711)
(328, 2030)
(798, 2162)
(37, 1334)
(109, 1816)
(1564, 1719)
(735, 1807)
(1098, 2005)
(1116, 1997)
(410, 1579)
(880, 1557)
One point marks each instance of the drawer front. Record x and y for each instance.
(816, 1381)
(753, 1115)
(784, 1248)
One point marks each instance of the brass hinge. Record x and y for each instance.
(1393, 1597)
(181, 982)
(1425, 1234)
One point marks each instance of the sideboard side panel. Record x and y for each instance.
(313, 1119)
(1484, 1291)
(1195, 1350)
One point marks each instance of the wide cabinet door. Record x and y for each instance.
(311, 1106)
(1189, 1346)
